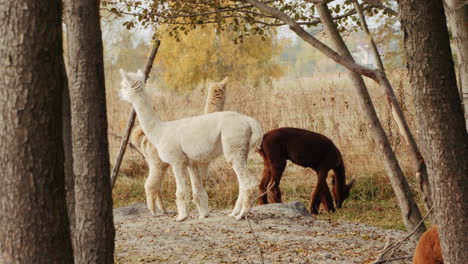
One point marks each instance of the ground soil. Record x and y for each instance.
(286, 233)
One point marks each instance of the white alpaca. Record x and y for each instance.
(156, 167)
(191, 143)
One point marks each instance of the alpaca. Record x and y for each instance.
(306, 149)
(192, 143)
(428, 250)
(157, 168)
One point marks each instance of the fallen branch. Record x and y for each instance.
(129, 143)
(392, 259)
(396, 245)
(250, 224)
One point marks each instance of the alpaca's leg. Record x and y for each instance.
(277, 169)
(326, 199)
(200, 198)
(153, 184)
(263, 187)
(159, 200)
(236, 149)
(237, 206)
(319, 188)
(182, 195)
(247, 187)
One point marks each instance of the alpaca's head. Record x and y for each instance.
(219, 86)
(132, 84)
(342, 195)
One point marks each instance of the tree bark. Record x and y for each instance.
(457, 13)
(408, 206)
(94, 229)
(68, 153)
(395, 109)
(440, 119)
(33, 215)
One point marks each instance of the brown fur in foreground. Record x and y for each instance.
(428, 250)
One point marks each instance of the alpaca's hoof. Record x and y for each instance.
(201, 216)
(240, 217)
(153, 213)
(233, 214)
(181, 218)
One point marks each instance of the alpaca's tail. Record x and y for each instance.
(256, 138)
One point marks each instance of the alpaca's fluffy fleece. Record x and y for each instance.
(216, 97)
(192, 143)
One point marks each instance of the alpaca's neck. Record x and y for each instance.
(148, 117)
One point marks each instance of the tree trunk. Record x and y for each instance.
(94, 229)
(408, 206)
(395, 109)
(458, 20)
(33, 214)
(440, 119)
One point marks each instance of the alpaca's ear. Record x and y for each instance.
(225, 80)
(123, 74)
(140, 73)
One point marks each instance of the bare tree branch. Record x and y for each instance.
(380, 5)
(294, 26)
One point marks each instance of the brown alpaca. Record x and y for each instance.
(306, 149)
(428, 250)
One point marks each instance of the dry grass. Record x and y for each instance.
(325, 104)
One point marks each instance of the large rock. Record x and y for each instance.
(288, 210)
(131, 210)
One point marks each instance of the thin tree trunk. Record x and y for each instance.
(458, 20)
(395, 109)
(440, 119)
(131, 119)
(408, 206)
(94, 229)
(34, 224)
